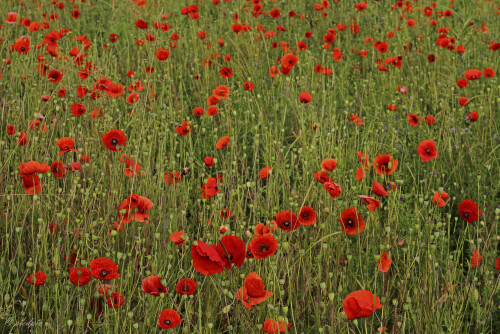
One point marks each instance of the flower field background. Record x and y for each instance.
(249, 166)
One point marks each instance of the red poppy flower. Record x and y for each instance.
(305, 97)
(198, 111)
(264, 172)
(463, 101)
(66, 144)
(322, 177)
(412, 120)
(440, 199)
(133, 98)
(169, 319)
(263, 246)
(431, 58)
(225, 213)
(333, 189)
(489, 73)
(473, 74)
(372, 202)
(104, 269)
(209, 161)
(476, 258)
(252, 292)
(11, 17)
(58, 169)
(162, 54)
(360, 304)
(384, 264)
(222, 142)
(209, 189)
(384, 164)
(249, 86)
(80, 276)
(221, 92)
(351, 222)
(469, 210)
(152, 286)
(226, 72)
(286, 220)
(430, 120)
(114, 138)
(497, 263)
(172, 177)
(231, 249)
(115, 300)
(473, 116)
(177, 237)
(364, 159)
(427, 150)
(462, 83)
(360, 174)
(185, 128)
(55, 76)
(379, 189)
(78, 109)
(39, 278)
(186, 286)
(275, 13)
(329, 164)
(272, 326)
(307, 216)
(206, 259)
(10, 129)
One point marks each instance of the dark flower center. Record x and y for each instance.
(186, 288)
(114, 141)
(263, 248)
(349, 223)
(428, 151)
(287, 223)
(167, 322)
(466, 214)
(103, 273)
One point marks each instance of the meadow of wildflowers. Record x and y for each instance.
(249, 166)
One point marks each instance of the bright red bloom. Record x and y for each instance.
(322, 177)
(307, 216)
(152, 285)
(427, 150)
(469, 210)
(58, 169)
(264, 172)
(379, 189)
(209, 161)
(78, 109)
(384, 164)
(351, 222)
(115, 300)
(473, 74)
(263, 246)
(333, 189)
(272, 326)
(384, 264)
(104, 269)
(66, 144)
(177, 237)
(372, 202)
(440, 198)
(169, 319)
(162, 54)
(206, 259)
(252, 292)
(222, 142)
(231, 249)
(186, 286)
(360, 304)
(209, 189)
(286, 220)
(305, 97)
(329, 164)
(40, 278)
(80, 276)
(114, 138)
(476, 258)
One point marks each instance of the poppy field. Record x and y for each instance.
(249, 166)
